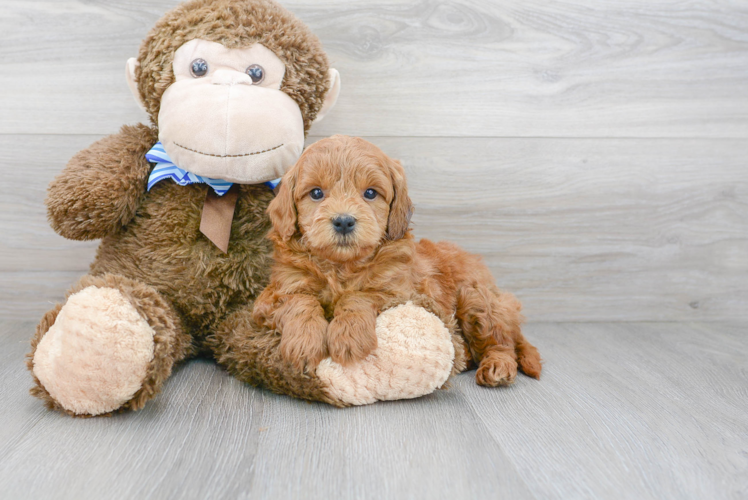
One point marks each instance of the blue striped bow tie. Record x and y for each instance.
(165, 169)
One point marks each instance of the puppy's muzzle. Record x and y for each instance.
(344, 224)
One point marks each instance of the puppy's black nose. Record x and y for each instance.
(343, 224)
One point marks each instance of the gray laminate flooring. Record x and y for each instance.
(624, 410)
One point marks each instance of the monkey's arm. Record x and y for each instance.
(102, 186)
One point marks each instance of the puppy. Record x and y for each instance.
(343, 250)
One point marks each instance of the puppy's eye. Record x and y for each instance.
(370, 194)
(198, 67)
(316, 194)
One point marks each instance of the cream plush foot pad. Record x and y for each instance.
(96, 355)
(413, 358)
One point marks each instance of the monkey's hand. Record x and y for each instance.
(101, 187)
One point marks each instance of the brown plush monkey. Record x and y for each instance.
(231, 87)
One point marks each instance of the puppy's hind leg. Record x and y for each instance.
(508, 308)
(490, 322)
(528, 358)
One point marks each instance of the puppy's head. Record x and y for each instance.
(342, 199)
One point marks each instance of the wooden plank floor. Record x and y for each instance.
(624, 410)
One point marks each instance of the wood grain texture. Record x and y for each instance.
(646, 411)
(426, 448)
(423, 67)
(208, 436)
(579, 229)
(29, 294)
(19, 413)
(28, 164)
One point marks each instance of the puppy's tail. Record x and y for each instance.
(528, 358)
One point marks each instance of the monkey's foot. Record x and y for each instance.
(95, 356)
(414, 357)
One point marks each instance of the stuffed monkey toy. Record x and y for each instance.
(231, 88)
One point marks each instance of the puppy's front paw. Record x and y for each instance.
(351, 337)
(496, 369)
(303, 342)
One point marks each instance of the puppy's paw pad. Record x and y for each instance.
(350, 340)
(494, 372)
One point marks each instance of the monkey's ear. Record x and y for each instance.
(132, 81)
(282, 210)
(401, 208)
(331, 97)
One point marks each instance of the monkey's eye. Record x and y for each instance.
(199, 67)
(316, 194)
(370, 194)
(256, 73)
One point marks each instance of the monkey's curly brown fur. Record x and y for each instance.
(196, 298)
(329, 283)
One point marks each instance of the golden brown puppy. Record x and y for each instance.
(343, 250)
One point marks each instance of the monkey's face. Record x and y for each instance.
(225, 116)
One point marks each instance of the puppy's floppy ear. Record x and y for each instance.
(401, 208)
(282, 210)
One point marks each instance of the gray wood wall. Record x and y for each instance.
(594, 152)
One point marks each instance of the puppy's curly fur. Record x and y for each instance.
(343, 250)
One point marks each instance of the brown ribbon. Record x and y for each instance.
(218, 212)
